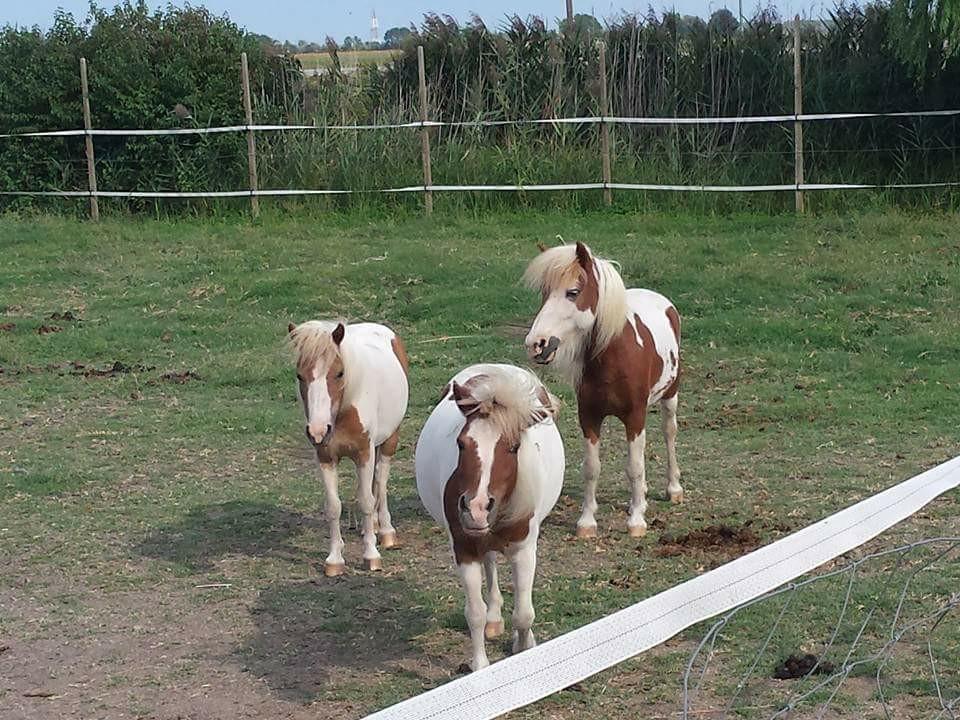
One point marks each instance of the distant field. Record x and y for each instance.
(348, 58)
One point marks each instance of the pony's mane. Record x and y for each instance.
(557, 267)
(313, 343)
(511, 401)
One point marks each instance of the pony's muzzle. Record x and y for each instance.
(543, 350)
(318, 434)
(475, 513)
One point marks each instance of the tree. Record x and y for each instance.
(723, 23)
(395, 36)
(582, 25)
(925, 30)
(352, 42)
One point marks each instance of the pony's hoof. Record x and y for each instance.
(388, 540)
(373, 563)
(585, 532)
(334, 569)
(676, 497)
(493, 630)
(637, 531)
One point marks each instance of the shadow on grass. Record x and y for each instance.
(239, 527)
(332, 634)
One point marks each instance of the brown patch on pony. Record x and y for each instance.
(465, 478)
(348, 439)
(389, 446)
(401, 352)
(618, 382)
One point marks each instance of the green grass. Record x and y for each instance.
(821, 360)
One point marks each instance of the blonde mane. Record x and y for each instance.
(558, 267)
(511, 401)
(313, 344)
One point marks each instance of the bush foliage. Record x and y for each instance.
(143, 64)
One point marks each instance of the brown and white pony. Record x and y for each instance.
(489, 466)
(620, 349)
(353, 385)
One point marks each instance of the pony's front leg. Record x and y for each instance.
(334, 564)
(524, 563)
(475, 611)
(365, 471)
(494, 625)
(388, 536)
(590, 472)
(637, 477)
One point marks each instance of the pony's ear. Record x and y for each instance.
(290, 328)
(541, 247)
(583, 256)
(338, 333)
(464, 399)
(550, 403)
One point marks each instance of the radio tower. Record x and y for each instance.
(374, 28)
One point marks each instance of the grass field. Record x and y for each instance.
(151, 445)
(348, 58)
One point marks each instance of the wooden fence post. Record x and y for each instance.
(798, 110)
(251, 138)
(605, 127)
(88, 141)
(425, 135)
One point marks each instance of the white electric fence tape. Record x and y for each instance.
(586, 120)
(136, 194)
(531, 675)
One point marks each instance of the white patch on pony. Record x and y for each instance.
(651, 307)
(485, 434)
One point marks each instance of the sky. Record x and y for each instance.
(314, 20)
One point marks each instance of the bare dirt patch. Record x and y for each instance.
(715, 539)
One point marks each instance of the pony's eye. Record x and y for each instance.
(515, 449)
(300, 378)
(460, 444)
(572, 293)
(340, 375)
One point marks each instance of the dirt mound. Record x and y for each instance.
(723, 539)
(48, 329)
(798, 666)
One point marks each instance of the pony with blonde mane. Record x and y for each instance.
(620, 349)
(489, 465)
(352, 382)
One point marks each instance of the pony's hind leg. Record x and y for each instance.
(365, 472)
(524, 568)
(637, 476)
(494, 626)
(334, 564)
(590, 472)
(385, 530)
(668, 408)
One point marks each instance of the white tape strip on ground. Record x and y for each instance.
(136, 194)
(554, 665)
(585, 120)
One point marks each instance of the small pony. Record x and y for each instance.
(620, 349)
(489, 466)
(353, 385)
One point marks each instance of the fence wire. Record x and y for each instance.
(891, 651)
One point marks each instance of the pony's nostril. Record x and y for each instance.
(463, 503)
(490, 505)
(329, 428)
